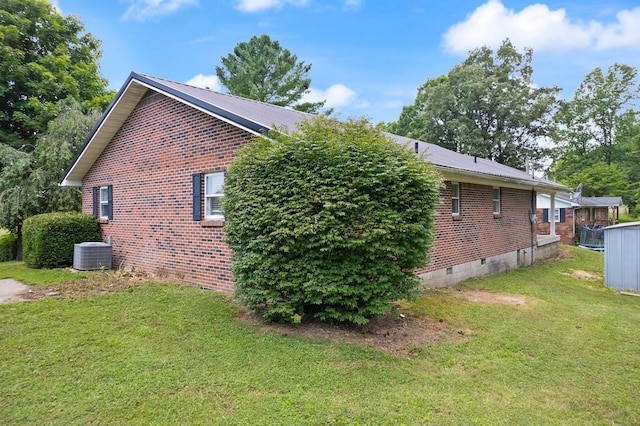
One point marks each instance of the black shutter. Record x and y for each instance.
(96, 206)
(562, 215)
(110, 203)
(196, 184)
(545, 215)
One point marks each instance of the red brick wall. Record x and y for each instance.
(563, 229)
(477, 233)
(591, 216)
(150, 161)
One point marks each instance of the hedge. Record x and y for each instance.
(8, 247)
(48, 239)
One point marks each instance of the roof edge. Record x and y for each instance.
(225, 114)
(64, 181)
(533, 183)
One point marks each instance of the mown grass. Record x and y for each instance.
(169, 354)
(39, 277)
(625, 218)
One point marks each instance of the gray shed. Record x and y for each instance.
(622, 256)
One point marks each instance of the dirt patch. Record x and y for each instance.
(582, 275)
(397, 333)
(101, 283)
(484, 297)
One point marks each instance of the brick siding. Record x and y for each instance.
(477, 233)
(149, 162)
(563, 229)
(151, 159)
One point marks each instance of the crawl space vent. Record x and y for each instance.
(91, 256)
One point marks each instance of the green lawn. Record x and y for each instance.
(171, 354)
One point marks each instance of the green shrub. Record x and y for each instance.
(48, 239)
(8, 247)
(329, 221)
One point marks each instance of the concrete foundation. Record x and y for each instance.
(546, 247)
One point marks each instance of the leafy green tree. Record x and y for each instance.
(588, 124)
(598, 136)
(599, 180)
(263, 70)
(328, 221)
(30, 176)
(44, 58)
(628, 144)
(486, 106)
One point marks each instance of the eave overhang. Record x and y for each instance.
(461, 175)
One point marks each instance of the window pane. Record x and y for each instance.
(496, 206)
(455, 190)
(455, 206)
(104, 194)
(104, 210)
(213, 206)
(213, 183)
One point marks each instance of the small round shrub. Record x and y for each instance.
(48, 239)
(8, 247)
(329, 221)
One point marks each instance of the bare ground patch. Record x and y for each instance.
(99, 284)
(399, 332)
(485, 297)
(582, 275)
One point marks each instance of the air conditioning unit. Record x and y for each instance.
(91, 256)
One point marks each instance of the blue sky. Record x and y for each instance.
(368, 57)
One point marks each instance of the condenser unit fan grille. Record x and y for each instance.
(91, 256)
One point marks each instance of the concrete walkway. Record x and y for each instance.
(12, 291)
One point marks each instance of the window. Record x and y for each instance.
(213, 195)
(104, 202)
(455, 198)
(496, 200)
(559, 215)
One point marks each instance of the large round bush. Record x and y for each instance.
(329, 221)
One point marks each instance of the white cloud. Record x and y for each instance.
(56, 5)
(260, 5)
(541, 28)
(624, 33)
(143, 9)
(337, 95)
(211, 82)
(352, 4)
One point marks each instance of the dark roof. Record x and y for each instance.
(589, 201)
(259, 118)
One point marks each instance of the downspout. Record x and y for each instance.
(532, 220)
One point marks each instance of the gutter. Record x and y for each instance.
(485, 177)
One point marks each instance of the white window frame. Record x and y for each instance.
(213, 191)
(556, 215)
(455, 198)
(496, 199)
(104, 202)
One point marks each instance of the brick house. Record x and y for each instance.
(571, 213)
(153, 166)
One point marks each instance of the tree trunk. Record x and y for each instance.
(19, 244)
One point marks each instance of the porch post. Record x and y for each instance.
(552, 214)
